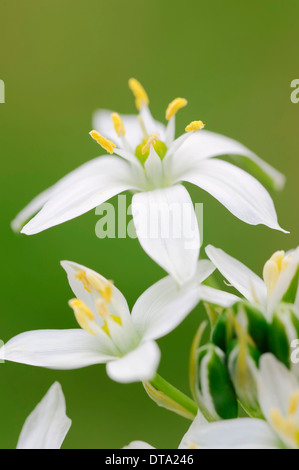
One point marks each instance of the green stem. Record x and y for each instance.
(174, 394)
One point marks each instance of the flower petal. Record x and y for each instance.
(217, 297)
(275, 385)
(242, 433)
(238, 191)
(242, 278)
(167, 230)
(81, 191)
(56, 349)
(48, 424)
(138, 445)
(284, 281)
(118, 300)
(138, 365)
(206, 144)
(163, 306)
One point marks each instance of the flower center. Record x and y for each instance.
(287, 426)
(143, 150)
(273, 268)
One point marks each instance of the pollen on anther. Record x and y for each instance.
(141, 98)
(175, 106)
(195, 126)
(118, 124)
(106, 144)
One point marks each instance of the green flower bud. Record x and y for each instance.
(214, 390)
(254, 323)
(243, 359)
(283, 329)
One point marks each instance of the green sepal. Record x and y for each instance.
(291, 293)
(257, 326)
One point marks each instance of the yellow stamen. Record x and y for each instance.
(104, 287)
(273, 268)
(175, 106)
(103, 311)
(118, 124)
(244, 340)
(195, 126)
(192, 446)
(150, 141)
(102, 141)
(141, 98)
(83, 314)
(285, 426)
(82, 277)
(294, 403)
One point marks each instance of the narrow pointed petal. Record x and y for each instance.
(238, 191)
(138, 445)
(138, 365)
(31, 209)
(250, 285)
(242, 433)
(56, 349)
(170, 132)
(217, 297)
(153, 166)
(167, 230)
(48, 424)
(81, 191)
(206, 144)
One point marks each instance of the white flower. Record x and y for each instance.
(47, 425)
(279, 273)
(110, 334)
(149, 161)
(278, 392)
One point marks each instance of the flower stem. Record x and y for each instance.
(168, 396)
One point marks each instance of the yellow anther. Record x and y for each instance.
(285, 426)
(150, 141)
(192, 446)
(273, 268)
(175, 106)
(195, 126)
(294, 403)
(118, 124)
(102, 141)
(141, 98)
(83, 314)
(82, 277)
(105, 288)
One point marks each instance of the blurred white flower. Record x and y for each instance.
(47, 425)
(278, 392)
(110, 334)
(279, 283)
(151, 163)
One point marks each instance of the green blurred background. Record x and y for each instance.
(60, 60)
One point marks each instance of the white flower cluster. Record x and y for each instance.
(247, 358)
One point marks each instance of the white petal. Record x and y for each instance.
(238, 191)
(81, 191)
(138, 365)
(275, 385)
(167, 229)
(138, 445)
(217, 297)
(242, 278)
(56, 349)
(47, 425)
(231, 434)
(170, 132)
(118, 300)
(153, 166)
(206, 144)
(283, 282)
(163, 306)
(35, 205)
